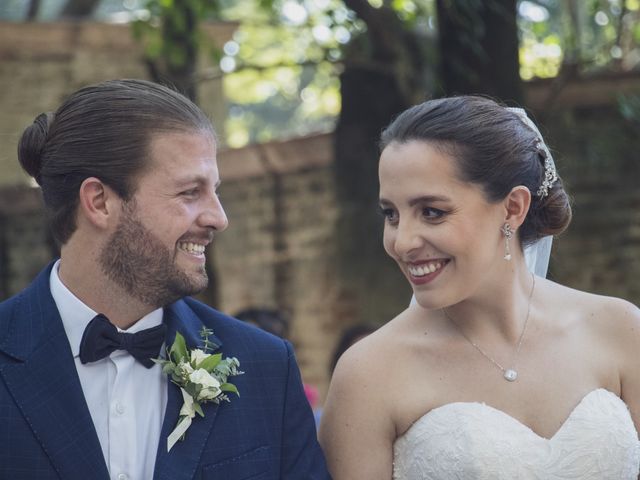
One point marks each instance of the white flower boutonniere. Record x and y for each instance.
(201, 376)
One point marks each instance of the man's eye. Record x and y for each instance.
(190, 193)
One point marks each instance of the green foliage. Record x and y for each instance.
(229, 387)
(210, 362)
(285, 66)
(282, 66)
(170, 29)
(178, 351)
(589, 35)
(287, 63)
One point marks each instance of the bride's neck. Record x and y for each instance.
(497, 308)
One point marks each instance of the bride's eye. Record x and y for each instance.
(389, 214)
(431, 213)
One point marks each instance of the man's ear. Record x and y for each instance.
(517, 205)
(97, 202)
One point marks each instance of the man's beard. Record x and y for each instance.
(136, 260)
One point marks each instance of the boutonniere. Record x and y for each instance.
(201, 376)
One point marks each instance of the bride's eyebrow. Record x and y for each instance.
(428, 199)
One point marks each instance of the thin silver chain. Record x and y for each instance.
(520, 340)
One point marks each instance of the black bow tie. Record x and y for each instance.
(101, 337)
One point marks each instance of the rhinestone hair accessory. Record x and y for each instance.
(550, 173)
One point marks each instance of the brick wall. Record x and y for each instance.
(41, 63)
(277, 251)
(25, 246)
(598, 158)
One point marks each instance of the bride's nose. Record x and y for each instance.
(408, 237)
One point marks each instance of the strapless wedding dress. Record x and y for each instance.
(473, 441)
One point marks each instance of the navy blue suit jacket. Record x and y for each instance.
(46, 431)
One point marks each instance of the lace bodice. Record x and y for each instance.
(473, 441)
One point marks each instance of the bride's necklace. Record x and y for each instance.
(509, 374)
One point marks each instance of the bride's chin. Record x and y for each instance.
(426, 301)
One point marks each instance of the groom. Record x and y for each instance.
(129, 178)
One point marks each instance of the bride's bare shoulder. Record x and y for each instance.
(391, 341)
(608, 316)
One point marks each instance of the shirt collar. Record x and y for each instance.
(76, 315)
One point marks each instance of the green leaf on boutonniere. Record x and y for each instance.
(178, 350)
(198, 409)
(210, 362)
(192, 389)
(229, 387)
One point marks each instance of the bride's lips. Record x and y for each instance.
(420, 273)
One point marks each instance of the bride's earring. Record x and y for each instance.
(508, 233)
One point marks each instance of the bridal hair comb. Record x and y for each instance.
(550, 173)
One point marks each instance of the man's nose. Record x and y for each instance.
(213, 215)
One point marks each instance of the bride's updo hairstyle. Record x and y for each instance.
(101, 131)
(494, 149)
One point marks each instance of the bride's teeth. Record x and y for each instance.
(422, 270)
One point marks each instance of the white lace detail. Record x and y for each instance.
(473, 441)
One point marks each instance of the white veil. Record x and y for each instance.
(536, 255)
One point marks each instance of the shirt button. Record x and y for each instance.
(122, 476)
(120, 410)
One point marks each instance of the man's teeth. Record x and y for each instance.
(192, 248)
(423, 270)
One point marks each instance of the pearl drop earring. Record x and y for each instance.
(508, 233)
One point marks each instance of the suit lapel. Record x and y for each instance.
(182, 462)
(45, 385)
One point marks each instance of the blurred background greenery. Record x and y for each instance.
(281, 69)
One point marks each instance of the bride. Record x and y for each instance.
(493, 372)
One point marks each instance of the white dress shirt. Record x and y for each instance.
(126, 400)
